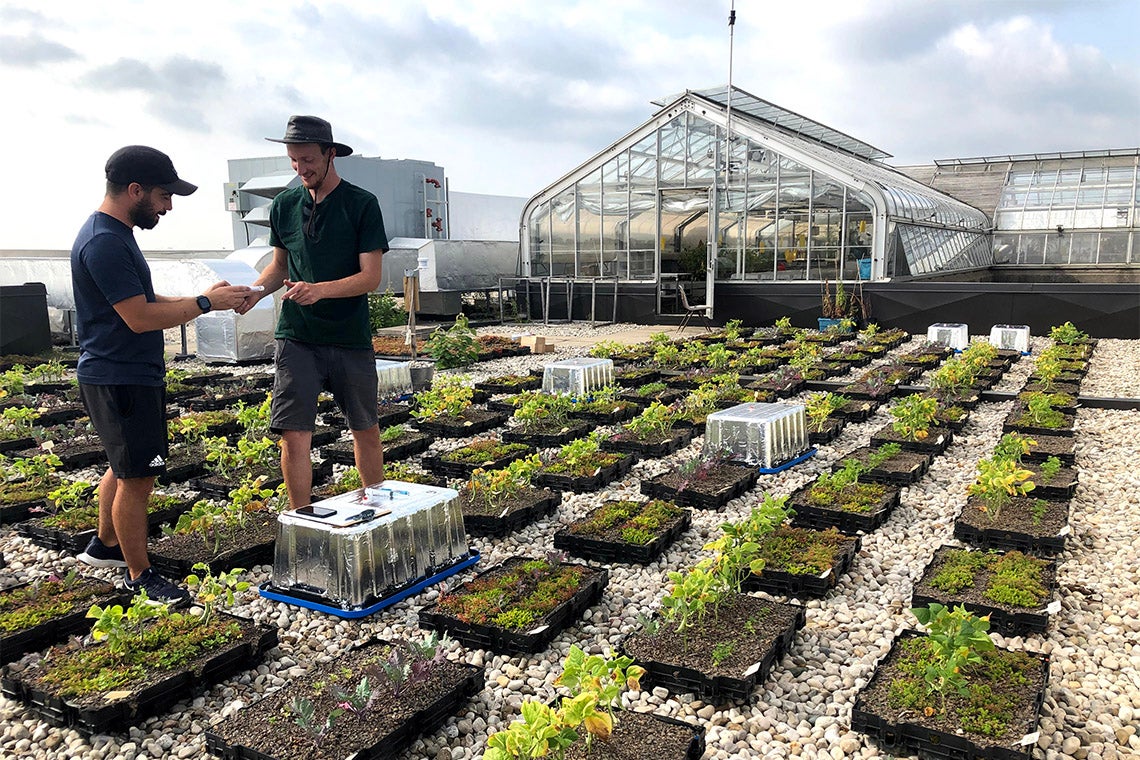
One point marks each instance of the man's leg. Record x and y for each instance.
(297, 465)
(369, 455)
(130, 521)
(108, 487)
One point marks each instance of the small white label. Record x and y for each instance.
(540, 629)
(1030, 738)
(1064, 531)
(504, 512)
(753, 668)
(826, 573)
(1054, 607)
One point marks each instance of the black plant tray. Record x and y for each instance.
(179, 473)
(1004, 621)
(637, 378)
(721, 689)
(697, 428)
(857, 410)
(457, 429)
(894, 477)
(597, 550)
(993, 538)
(389, 747)
(17, 444)
(667, 396)
(441, 466)
(496, 639)
(781, 389)
(1010, 425)
(851, 523)
(60, 414)
(860, 360)
(20, 510)
(688, 497)
(802, 585)
(390, 413)
(48, 387)
(152, 700)
(939, 440)
(342, 452)
(505, 524)
(855, 391)
(911, 738)
(832, 427)
(216, 488)
(245, 557)
(15, 644)
(1052, 445)
(572, 431)
(587, 483)
(489, 386)
(679, 440)
(1062, 486)
(73, 543)
(77, 456)
(209, 404)
(607, 418)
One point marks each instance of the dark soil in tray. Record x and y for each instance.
(74, 538)
(858, 410)
(1061, 486)
(511, 513)
(601, 475)
(1046, 446)
(486, 454)
(658, 446)
(16, 444)
(60, 413)
(74, 454)
(754, 631)
(634, 378)
(902, 469)
(907, 731)
(667, 396)
(225, 400)
(393, 723)
(246, 547)
(810, 515)
(1009, 619)
(722, 484)
(638, 736)
(503, 385)
(67, 613)
(608, 413)
(802, 562)
(936, 441)
(604, 539)
(471, 422)
(410, 443)
(547, 436)
(1026, 523)
(1014, 421)
(110, 709)
(827, 431)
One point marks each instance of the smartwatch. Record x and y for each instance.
(204, 304)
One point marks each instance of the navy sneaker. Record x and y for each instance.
(158, 589)
(98, 554)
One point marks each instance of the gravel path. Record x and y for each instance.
(803, 710)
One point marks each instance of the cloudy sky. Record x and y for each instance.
(508, 96)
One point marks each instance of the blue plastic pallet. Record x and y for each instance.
(790, 463)
(306, 600)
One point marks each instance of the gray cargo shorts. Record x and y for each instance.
(306, 369)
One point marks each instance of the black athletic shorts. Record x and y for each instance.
(131, 423)
(306, 369)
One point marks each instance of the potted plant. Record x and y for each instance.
(707, 481)
(913, 426)
(18, 428)
(840, 308)
(544, 420)
(500, 501)
(624, 531)
(952, 690)
(583, 466)
(710, 638)
(1036, 414)
(841, 499)
(446, 410)
(484, 453)
(1011, 589)
(824, 421)
(999, 514)
(142, 658)
(650, 433)
(517, 607)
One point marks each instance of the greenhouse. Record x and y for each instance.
(791, 199)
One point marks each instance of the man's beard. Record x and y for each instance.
(143, 215)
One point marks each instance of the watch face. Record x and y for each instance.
(204, 304)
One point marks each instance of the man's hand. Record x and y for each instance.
(224, 296)
(301, 293)
(250, 300)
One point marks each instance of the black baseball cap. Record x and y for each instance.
(147, 166)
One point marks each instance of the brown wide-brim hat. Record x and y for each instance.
(311, 129)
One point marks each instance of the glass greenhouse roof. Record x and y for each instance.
(786, 120)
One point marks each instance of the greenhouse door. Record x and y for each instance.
(683, 248)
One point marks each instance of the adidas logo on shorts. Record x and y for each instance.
(158, 461)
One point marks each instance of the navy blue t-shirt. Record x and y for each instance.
(107, 267)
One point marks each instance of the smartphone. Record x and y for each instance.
(314, 511)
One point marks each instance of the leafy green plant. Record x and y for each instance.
(820, 406)
(75, 493)
(655, 421)
(542, 731)
(12, 381)
(1067, 334)
(1049, 469)
(605, 349)
(49, 371)
(883, 454)
(732, 329)
(1039, 410)
(1013, 446)
(254, 419)
(211, 590)
(957, 638)
(391, 433)
(383, 311)
(117, 626)
(37, 471)
(449, 396)
(914, 415)
(492, 488)
(304, 715)
(999, 480)
(544, 411)
(456, 346)
(17, 422)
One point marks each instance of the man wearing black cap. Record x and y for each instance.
(121, 367)
(327, 236)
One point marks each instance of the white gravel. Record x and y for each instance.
(803, 710)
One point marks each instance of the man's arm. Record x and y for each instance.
(364, 281)
(166, 311)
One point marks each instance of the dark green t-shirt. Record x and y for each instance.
(348, 223)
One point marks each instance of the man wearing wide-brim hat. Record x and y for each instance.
(328, 237)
